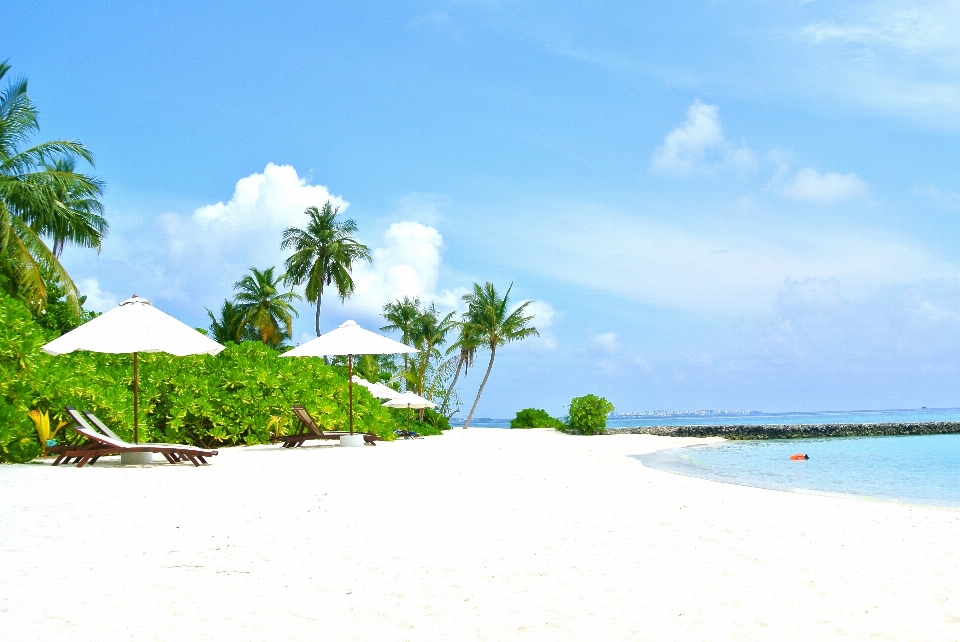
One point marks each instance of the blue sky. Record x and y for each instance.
(750, 205)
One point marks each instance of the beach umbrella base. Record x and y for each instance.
(351, 440)
(136, 459)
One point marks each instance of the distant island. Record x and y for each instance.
(682, 413)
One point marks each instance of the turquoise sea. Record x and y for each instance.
(921, 469)
(761, 418)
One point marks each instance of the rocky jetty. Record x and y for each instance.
(800, 431)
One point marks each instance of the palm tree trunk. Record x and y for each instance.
(493, 353)
(326, 359)
(446, 397)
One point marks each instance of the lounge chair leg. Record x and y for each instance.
(204, 461)
(169, 458)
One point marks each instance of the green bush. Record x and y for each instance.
(588, 415)
(534, 418)
(208, 401)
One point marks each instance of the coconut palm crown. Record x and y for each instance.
(323, 254)
(265, 309)
(490, 325)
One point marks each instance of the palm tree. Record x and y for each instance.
(402, 315)
(41, 194)
(467, 344)
(264, 308)
(491, 325)
(323, 254)
(230, 325)
(429, 332)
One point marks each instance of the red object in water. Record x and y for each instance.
(799, 457)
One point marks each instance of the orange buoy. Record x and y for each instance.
(799, 457)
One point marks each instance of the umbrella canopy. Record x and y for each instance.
(349, 339)
(377, 389)
(408, 400)
(134, 326)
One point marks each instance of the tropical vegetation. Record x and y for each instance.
(588, 415)
(42, 198)
(534, 418)
(241, 396)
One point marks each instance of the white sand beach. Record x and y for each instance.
(476, 535)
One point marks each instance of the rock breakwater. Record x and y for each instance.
(798, 431)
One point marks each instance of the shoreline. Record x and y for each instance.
(795, 431)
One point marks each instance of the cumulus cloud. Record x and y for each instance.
(689, 147)
(606, 341)
(810, 185)
(97, 299)
(222, 241)
(407, 264)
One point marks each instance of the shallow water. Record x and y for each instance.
(915, 415)
(918, 469)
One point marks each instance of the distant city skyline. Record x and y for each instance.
(712, 205)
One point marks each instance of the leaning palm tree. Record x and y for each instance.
(33, 182)
(492, 326)
(323, 254)
(403, 315)
(265, 309)
(467, 344)
(429, 333)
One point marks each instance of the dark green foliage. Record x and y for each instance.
(210, 401)
(588, 415)
(433, 423)
(534, 418)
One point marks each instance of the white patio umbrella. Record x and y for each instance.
(409, 400)
(134, 326)
(347, 340)
(376, 388)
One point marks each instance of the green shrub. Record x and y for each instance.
(203, 400)
(588, 415)
(534, 418)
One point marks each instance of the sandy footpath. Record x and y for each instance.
(476, 535)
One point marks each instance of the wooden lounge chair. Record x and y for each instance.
(309, 429)
(101, 441)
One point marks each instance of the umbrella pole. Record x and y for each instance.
(350, 383)
(136, 397)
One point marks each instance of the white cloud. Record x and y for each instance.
(97, 299)
(684, 149)
(892, 58)
(606, 341)
(543, 317)
(810, 185)
(407, 264)
(726, 269)
(687, 149)
(220, 242)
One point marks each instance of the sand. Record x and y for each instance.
(475, 535)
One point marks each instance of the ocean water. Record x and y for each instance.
(761, 418)
(916, 469)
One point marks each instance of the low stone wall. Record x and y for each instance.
(800, 431)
